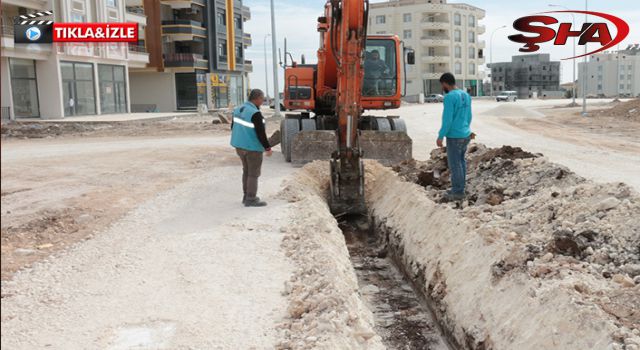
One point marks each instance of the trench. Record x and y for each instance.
(403, 316)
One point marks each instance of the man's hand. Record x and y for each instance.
(268, 153)
(439, 143)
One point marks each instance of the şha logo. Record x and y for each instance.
(597, 32)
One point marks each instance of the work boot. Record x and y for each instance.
(254, 202)
(453, 197)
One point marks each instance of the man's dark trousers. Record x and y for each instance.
(251, 165)
(456, 150)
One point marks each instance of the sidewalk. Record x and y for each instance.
(105, 118)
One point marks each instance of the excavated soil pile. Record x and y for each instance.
(629, 110)
(559, 232)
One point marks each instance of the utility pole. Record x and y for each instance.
(491, 55)
(573, 82)
(586, 71)
(266, 70)
(274, 57)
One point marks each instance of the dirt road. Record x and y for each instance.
(151, 247)
(181, 270)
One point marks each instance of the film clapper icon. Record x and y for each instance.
(28, 30)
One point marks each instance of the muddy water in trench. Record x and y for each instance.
(402, 319)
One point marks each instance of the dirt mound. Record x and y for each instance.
(629, 110)
(512, 110)
(493, 175)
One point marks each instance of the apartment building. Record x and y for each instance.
(611, 74)
(197, 55)
(445, 37)
(56, 80)
(532, 76)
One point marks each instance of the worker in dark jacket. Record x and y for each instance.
(249, 138)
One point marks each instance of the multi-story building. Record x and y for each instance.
(196, 50)
(55, 80)
(533, 75)
(445, 37)
(611, 74)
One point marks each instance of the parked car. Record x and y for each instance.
(272, 104)
(434, 98)
(507, 96)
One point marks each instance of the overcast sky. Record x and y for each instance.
(296, 20)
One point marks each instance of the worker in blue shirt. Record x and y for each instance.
(250, 141)
(456, 122)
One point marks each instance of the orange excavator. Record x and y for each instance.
(354, 72)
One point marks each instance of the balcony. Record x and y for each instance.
(183, 29)
(480, 29)
(246, 39)
(436, 41)
(246, 13)
(183, 4)
(185, 61)
(30, 4)
(135, 14)
(248, 66)
(434, 25)
(435, 59)
(138, 56)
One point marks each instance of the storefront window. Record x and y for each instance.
(78, 88)
(113, 95)
(24, 87)
(186, 91)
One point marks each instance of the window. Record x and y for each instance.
(112, 3)
(24, 87)
(381, 32)
(77, 17)
(621, 86)
(239, 58)
(406, 34)
(457, 36)
(237, 22)
(544, 67)
(380, 68)
(457, 19)
(380, 19)
(222, 50)
(472, 37)
(621, 76)
(406, 17)
(222, 17)
(472, 69)
(472, 53)
(458, 52)
(113, 95)
(472, 21)
(78, 88)
(431, 51)
(458, 68)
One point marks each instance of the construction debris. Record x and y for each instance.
(629, 110)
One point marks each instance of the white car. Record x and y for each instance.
(507, 96)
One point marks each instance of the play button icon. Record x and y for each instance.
(33, 33)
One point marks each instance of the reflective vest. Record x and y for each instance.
(243, 133)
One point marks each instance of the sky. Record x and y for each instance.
(296, 20)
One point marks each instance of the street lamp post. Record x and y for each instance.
(274, 58)
(584, 81)
(266, 74)
(491, 55)
(573, 82)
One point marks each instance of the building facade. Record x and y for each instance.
(56, 81)
(444, 36)
(531, 76)
(197, 50)
(611, 74)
